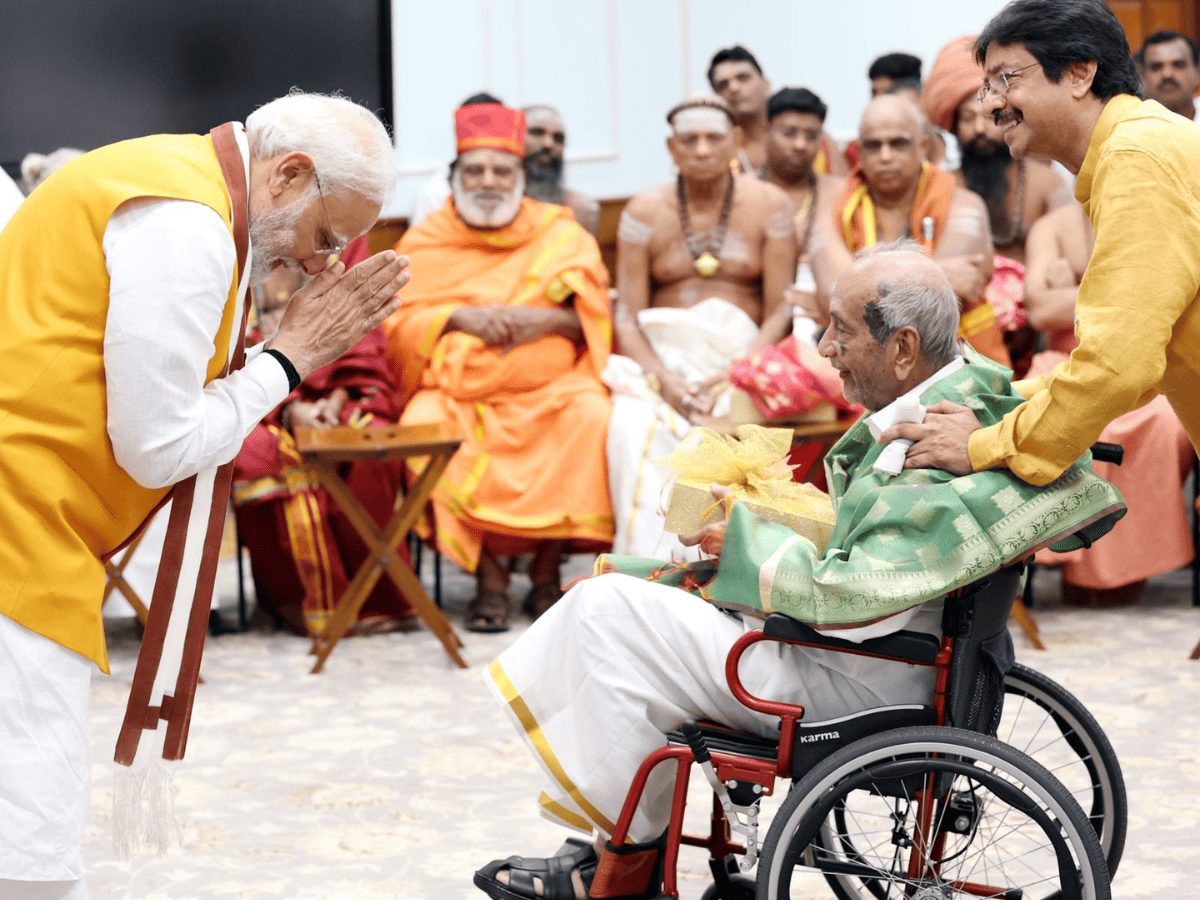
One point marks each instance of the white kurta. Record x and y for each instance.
(697, 344)
(597, 681)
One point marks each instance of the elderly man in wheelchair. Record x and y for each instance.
(869, 651)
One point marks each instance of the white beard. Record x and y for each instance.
(271, 234)
(487, 208)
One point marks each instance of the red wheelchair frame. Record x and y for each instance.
(755, 775)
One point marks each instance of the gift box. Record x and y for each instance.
(743, 411)
(751, 463)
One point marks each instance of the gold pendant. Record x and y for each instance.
(707, 264)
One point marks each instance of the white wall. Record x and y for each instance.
(614, 67)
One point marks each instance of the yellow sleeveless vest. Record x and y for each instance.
(64, 500)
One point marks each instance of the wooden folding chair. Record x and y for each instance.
(322, 450)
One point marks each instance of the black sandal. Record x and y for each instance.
(554, 873)
(488, 613)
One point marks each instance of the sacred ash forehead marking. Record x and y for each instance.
(700, 118)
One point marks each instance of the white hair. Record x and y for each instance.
(37, 167)
(350, 148)
(925, 302)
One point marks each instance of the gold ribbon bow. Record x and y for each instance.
(752, 463)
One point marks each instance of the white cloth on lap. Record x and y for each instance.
(697, 343)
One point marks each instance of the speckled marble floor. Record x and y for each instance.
(394, 775)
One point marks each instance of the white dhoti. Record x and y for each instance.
(45, 756)
(697, 344)
(598, 680)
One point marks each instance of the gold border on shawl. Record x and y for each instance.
(976, 320)
(637, 482)
(534, 274)
(862, 198)
(301, 512)
(256, 489)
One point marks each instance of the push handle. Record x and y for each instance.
(1102, 451)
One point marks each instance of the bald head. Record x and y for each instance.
(901, 264)
(538, 109)
(893, 144)
(897, 110)
(911, 289)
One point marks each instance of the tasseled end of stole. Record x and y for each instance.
(144, 805)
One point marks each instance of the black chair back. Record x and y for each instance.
(983, 649)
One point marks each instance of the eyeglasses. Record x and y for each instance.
(329, 251)
(1004, 79)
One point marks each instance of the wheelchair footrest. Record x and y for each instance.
(735, 743)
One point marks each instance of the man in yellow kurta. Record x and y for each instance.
(122, 277)
(1060, 80)
(504, 331)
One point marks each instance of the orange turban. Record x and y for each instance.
(955, 76)
(490, 125)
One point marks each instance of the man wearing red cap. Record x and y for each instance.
(504, 331)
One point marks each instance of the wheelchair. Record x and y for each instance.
(925, 801)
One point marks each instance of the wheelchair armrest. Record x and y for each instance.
(909, 645)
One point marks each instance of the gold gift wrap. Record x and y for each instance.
(743, 411)
(752, 464)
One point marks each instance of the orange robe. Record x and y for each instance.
(1154, 536)
(532, 465)
(857, 224)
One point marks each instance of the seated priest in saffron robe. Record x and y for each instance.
(894, 193)
(703, 263)
(303, 550)
(504, 330)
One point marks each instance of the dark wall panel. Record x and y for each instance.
(84, 73)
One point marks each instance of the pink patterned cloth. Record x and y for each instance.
(1006, 293)
(789, 379)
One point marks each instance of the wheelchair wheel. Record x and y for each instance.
(1045, 721)
(933, 813)
(743, 889)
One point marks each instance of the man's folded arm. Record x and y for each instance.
(1142, 276)
(171, 266)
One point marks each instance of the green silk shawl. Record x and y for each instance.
(901, 540)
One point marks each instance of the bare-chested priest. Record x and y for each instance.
(702, 263)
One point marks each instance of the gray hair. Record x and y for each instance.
(350, 148)
(927, 304)
(37, 167)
